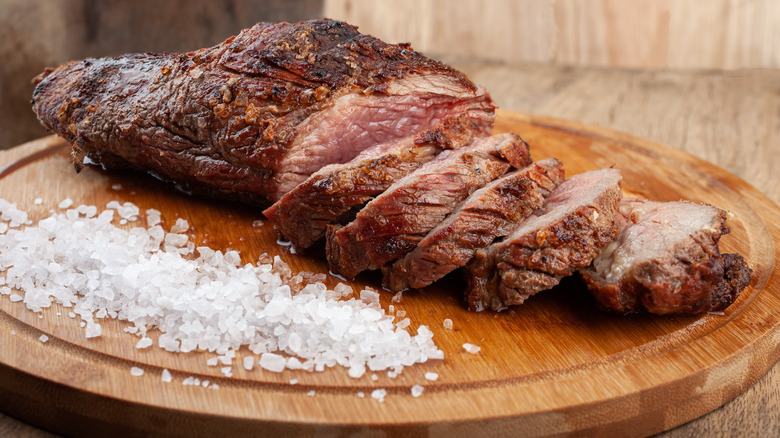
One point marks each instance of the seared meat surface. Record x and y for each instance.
(490, 212)
(332, 194)
(567, 233)
(254, 116)
(393, 223)
(666, 260)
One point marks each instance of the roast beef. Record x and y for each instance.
(394, 222)
(666, 260)
(254, 116)
(567, 233)
(332, 194)
(490, 212)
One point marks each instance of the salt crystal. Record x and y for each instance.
(357, 370)
(431, 376)
(66, 203)
(361, 394)
(257, 223)
(471, 348)
(227, 371)
(176, 240)
(166, 375)
(144, 343)
(180, 226)
(16, 298)
(272, 362)
(447, 323)
(249, 363)
(417, 390)
(379, 395)
(93, 330)
(368, 296)
(293, 363)
(212, 362)
(38, 201)
(136, 371)
(293, 381)
(43, 338)
(152, 217)
(397, 297)
(311, 393)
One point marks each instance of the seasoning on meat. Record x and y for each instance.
(567, 233)
(254, 116)
(490, 212)
(394, 222)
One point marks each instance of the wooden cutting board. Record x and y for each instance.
(555, 365)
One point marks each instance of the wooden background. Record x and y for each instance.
(654, 34)
(701, 76)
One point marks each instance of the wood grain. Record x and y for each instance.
(554, 365)
(654, 34)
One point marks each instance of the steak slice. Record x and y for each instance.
(329, 195)
(567, 233)
(666, 260)
(394, 222)
(254, 116)
(490, 212)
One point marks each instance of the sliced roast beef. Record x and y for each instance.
(567, 233)
(329, 195)
(666, 260)
(490, 212)
(394, 222)
(254, 116)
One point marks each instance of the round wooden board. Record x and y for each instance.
(555, 365)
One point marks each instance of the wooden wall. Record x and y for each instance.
(647, 34)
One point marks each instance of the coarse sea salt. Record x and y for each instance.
(471, 348)
(379, 394)
(198, 298)
(144, 343)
